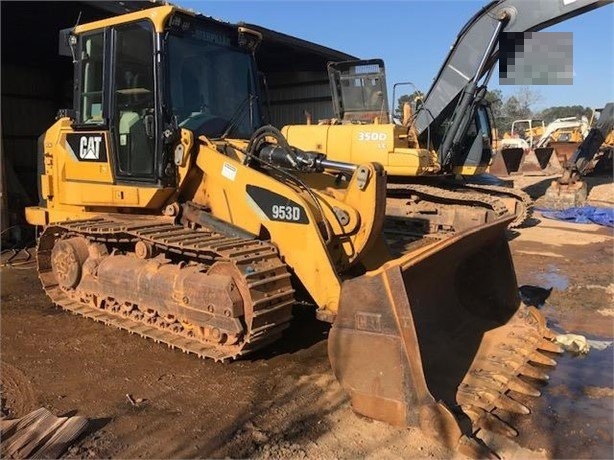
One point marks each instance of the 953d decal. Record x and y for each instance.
(277, 207)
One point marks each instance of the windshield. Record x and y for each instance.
(212, 84)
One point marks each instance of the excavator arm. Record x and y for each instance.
(473, 57)
(569, 191)
(580, 161)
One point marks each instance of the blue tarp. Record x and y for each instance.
(583, 215)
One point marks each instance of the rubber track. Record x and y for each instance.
(202, 245)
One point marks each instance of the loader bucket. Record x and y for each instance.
(506, 162)
(438, 337)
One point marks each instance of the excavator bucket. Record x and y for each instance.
(439, 338)
(506, 162)
(563, 196)
(564, 151)
(541, 161)
(548, 160)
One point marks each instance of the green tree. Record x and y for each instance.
(411, 98)
(527, 97)
(495, 100)
(552, 113)
(510, 111)
(517, 107)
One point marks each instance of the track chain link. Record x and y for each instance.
(264, 273)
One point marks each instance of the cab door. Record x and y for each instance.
(133, 102)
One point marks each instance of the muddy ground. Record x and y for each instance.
(284, 402)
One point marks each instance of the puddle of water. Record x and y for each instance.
(579, 405)
(552, 278)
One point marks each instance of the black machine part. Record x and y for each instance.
(472, 56)
(581, 159)
(281, 155)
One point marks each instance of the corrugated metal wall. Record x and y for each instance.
(293, 93)
(36, 82)
(29, 104)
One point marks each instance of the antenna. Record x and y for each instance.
(78, 19)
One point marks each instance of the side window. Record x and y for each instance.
(90, 103)
(133, 81)
(485, 129)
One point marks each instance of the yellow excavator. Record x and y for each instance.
(437, 157)
(421, 196)
(170, 210)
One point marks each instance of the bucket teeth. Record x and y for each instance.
(487, 421)
(518, 353)
(538, 358)
(509, 365)
(506, 403)
(520, 386)
(500, 374)
(488, 399)
(547, 345)
(529, 371)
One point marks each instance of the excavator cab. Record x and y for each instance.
(359, 90)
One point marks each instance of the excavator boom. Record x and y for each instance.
(474, 54)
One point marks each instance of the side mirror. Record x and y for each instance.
(249, 39)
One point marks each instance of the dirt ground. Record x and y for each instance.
(284, 402)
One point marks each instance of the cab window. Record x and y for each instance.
(90, 96)
(133, 104)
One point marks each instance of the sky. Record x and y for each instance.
(414, 36)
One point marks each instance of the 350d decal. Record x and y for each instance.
(277, 207)
(87, 146)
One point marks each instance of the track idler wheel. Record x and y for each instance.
(67, 258)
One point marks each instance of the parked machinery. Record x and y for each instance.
(437, 160)
(169, 211)
(597, 148)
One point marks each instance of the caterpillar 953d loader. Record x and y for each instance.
(171, 212)
(449, 136)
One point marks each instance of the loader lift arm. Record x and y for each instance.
(472, 59)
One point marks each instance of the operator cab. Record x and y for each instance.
(141, 87)
(358, 89)
(476, 145)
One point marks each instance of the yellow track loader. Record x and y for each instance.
(169, 210)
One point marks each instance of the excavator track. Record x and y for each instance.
(524, 202)
(419, 195)
(189, 260)
(486, 197)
